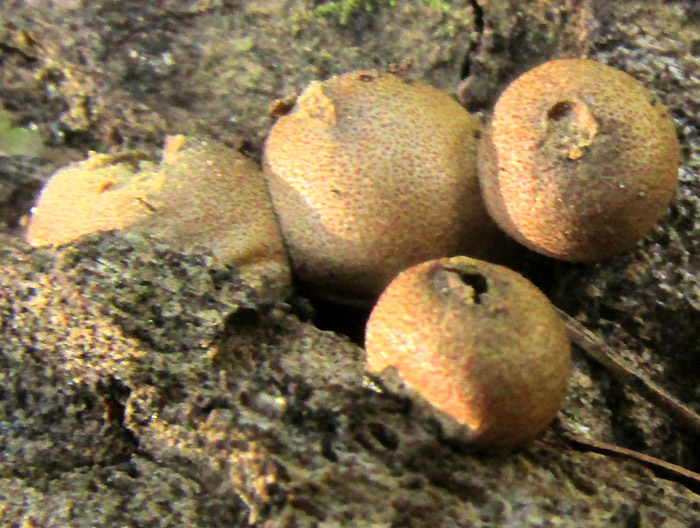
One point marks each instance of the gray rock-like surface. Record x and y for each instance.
(144, 387)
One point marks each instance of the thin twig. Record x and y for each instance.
(653, 462)
(596, 348)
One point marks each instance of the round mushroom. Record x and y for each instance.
(579, 160)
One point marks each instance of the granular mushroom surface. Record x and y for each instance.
(202, 194)
(99, 193)
(477, 341)
(579, 161)
(371, 173)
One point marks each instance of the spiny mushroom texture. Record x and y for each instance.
(479, 342)
(371, 173)
(579, 160)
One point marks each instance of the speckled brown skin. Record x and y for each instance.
(202, 194)
(579, 160)
(477, 341)
(371, 173)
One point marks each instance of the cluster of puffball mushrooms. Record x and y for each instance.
(370, 175)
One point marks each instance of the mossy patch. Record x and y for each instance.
(344, 10)
(17, 141)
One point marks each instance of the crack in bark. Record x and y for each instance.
(465, 69)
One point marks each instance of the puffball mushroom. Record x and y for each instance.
(579, 160)
(371, 173)
(477, 341)
(202, 194)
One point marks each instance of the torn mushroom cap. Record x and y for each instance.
(202, 194)
(478, 342)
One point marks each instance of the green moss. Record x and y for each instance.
(439, 5)
(344, 10)
(16, 141)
